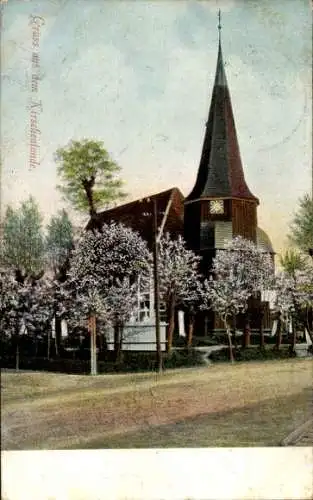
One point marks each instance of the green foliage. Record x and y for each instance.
(23, 242)
(88, 175)
(59, 240)
(183, 358)
(132, 362)
(251, 354)
(292, 261)
(301, 228)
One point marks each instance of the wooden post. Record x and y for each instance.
(262, 338)
(234, 330)
(156, 288)
(93, 345)
(58, 334)
(230, 345)
(48, 343)
(246, 331)
(17, 357)
(191, 322)
(278, 332)
(171, 324)
(17, 345)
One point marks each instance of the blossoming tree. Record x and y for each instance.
(59, 243)
(179, 278)
(238, 272)
(24, 307)
(104, 267)
(22, 245)
(294, 293)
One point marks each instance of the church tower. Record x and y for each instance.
(220, 206)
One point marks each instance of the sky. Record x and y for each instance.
(138, 75)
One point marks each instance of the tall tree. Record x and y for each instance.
(179, 278)
(88, 175)
(59, 244)
(292, 261)
(301, 228)
(23, 242)
(238, 272)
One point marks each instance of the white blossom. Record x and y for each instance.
(294, 292)
(28, 304)
(238, 272)
(178, 270)
(105, 268)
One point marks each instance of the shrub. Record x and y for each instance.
(251, 354)
(131, 362)
(183, 358)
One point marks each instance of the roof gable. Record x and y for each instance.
(138, 214)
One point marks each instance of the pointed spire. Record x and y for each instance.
(219, 27)
(220, 172)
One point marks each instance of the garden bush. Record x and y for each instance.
(251, 354)
(222, 338)
(131, 362)
(183, 358)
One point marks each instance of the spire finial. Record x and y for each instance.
(219, 25)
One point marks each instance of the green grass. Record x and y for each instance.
(252, 404)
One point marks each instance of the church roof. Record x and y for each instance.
(220, 172)
(138, 214)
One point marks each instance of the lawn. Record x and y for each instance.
(252, 404)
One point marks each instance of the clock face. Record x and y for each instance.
(216, 207)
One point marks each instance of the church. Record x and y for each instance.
(219, 207)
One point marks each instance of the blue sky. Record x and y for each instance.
(139, 75)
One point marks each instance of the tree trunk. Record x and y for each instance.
(293, 336)
(278, 333)
(101, 342)
(191, 325)
(231, 354)
(17, 355)
(56, 348)
(116, 341)
(246, 332)
(48, 343)
(17, 347)
(36, 346)
(234, 330)
(58, 333)
(262, 338)
(171, 324)
(93, 345)
(88, 185)
(120, 345)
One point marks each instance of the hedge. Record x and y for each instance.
(222, 338)
(131, 362)
(252, 354)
